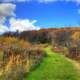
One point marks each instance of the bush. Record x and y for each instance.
(19, 58)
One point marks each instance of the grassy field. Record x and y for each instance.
(54, 67)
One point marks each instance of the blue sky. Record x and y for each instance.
(41, 13)
(54, 14)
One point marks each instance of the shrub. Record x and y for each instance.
(19, 57)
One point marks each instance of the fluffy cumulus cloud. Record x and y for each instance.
(6, 10)
(22, 25)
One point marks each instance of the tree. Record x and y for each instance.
(63, 38)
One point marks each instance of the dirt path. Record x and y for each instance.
(75, 63)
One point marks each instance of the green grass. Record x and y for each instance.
(54, 67)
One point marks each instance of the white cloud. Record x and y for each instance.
(22, 25)
(3, 29)
(6, 9)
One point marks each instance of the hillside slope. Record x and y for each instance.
(54, 67)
